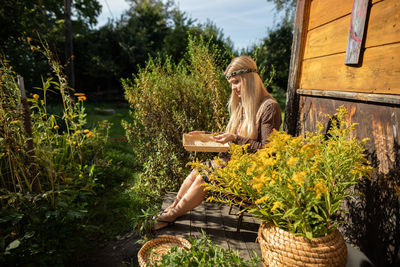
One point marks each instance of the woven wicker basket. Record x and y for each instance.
(153, 250)
(281, 248)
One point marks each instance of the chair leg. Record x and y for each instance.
(230, 209)
(239, 223)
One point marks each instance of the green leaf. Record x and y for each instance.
(13, 245)
(309, 235)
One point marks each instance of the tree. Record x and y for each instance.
(274, 53)
(147, 29)
(21, 19)
(288, 6)
(142, 31)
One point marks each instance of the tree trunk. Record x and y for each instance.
(68, 44)
(27, 126)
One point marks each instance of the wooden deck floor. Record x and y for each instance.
(215, 220)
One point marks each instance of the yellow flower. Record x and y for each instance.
(13, 234)
(250, 170)
(276, 205)
(79, 94)
(56, 127)
(299, 177)
(365, 140)
(36, 96)
(290, 186)
(257, 186)
(314, 167)
(269, 161)
(29, 39)
(320, 188)
(86, 131)
(82, 98)
(262, 200)
(90, 134)
(292, 161)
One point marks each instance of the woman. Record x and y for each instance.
(254, 115)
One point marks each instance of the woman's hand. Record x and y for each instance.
(224, 138)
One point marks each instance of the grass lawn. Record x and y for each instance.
(97, 111)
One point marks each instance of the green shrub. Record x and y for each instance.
(48, 174)
(169, 99)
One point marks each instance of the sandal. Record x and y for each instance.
(158, 215)
(166, 224)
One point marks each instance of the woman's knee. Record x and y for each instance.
(192, 176)
(199, 180)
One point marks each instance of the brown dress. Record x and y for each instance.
(269, 117)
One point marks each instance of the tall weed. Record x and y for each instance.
(169, 99)
(47, 177)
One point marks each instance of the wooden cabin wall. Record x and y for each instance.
(322, 65)
(317, 64)
(373, 221)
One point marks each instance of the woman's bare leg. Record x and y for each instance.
(183, 189)
(191, 199)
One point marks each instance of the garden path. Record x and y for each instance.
(216, 221)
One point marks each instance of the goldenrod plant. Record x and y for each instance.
(297, 183)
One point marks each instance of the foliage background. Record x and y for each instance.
(104, 55)
(169, 99)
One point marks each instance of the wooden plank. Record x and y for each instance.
(376, 98)
(253, 245)
(379, 123)
(384, 23)
(356, 32)
(197, 221)
(372, 222)
(383, 28)
(379, 72)
(328, 39)
(325, 11)
(299, 37)
(249, 233)
(214, 224)
(235, 240)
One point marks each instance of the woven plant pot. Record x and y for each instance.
(153, 250)
(281, 248)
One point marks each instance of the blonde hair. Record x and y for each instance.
(253, 93)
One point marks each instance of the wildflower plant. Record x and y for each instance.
(48, 168)
(297, 183)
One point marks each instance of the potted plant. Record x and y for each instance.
(295, 186)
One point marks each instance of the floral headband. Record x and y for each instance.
(237, 72)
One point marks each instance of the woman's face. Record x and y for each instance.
(236, 83)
